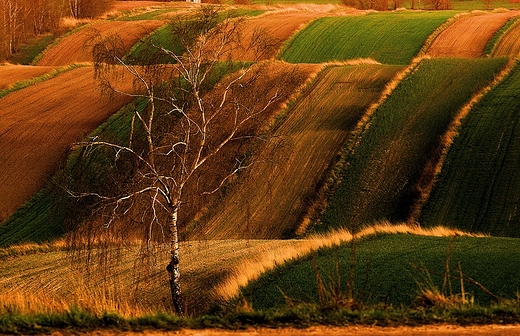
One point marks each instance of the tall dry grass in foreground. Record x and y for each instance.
(252, 268)
(41, 278)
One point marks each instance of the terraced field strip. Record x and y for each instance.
(39, 123)
(385, 164)
(479, 186)
(47, 280)
(384, 272)
(272, 198)
(132, 5)
(391, 38)
(509, 44)
(11, 74)
(77, 48)
(278, 27)
(468, 36)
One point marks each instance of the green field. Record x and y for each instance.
(479, 186)
(391, 38)
(384, 271)
(381, 172)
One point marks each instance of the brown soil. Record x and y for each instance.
(37, 126)
(509, 44)
(75, 48)
(278, 26)
(10, 74)
(468, 36)
(443, 330)
(131, 5)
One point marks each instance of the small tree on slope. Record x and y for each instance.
(186, 130)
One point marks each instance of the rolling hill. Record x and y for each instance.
(353, 143)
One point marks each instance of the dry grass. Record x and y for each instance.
(253, 268)
(41, 278)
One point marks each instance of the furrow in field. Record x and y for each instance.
(509, 44)
(77, 48)
(11, 74)
(468, 36)
(39, 123)
(272, 198)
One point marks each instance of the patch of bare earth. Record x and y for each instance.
(131, 5)
(443, 330)
(468, 36)
(10, 74)
(38, 125)
(278, 26)
(509, 44)
(77, 47)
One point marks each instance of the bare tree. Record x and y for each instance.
(185, 130)
(89, 8)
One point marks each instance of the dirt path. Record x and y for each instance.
(10, 74)
(37, 126)
(468, 36)
(442, 330)
(75, 48)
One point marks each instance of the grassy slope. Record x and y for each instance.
(381, 173)
(392, 38)
(50, 284)
(293, 163)
(479, 186)
(391, 278)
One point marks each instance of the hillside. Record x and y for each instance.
(39, 123)
(391, 117)
(468, 36)
(306, 141)
(478, 185)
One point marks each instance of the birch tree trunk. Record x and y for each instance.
(173, 267)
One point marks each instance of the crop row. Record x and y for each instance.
(479, 186)
(382, 171)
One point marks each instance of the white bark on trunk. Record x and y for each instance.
(173, 266)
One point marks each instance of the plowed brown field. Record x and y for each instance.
(75, 49)
(468, 36)
(279, 27)
(37, 126)
(129, 5)
(10, 74)
(509, 45)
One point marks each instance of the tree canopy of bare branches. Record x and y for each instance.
(187, 138)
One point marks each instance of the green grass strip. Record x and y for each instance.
(386, 161)
(299, 316)
(391, 38)
(384, 273)
(26, 83)
(479, 186)
(493, 41)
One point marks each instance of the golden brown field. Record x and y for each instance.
(11, 74)
(38, 125)
(509, 44)
(467, 36)
(75, 48)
